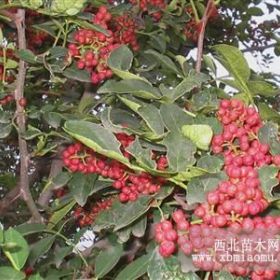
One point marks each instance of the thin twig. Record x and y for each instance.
(200, 43)
(258, 48)
(21, 121)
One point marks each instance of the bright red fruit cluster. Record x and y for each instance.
(92, 48)
(78, 158)
(233, 203)
(150, 6)
(86, 218)
(200, 239)
(241, 194)
(124, 31)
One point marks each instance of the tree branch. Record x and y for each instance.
(8, 201)
(21, 122)
(209, 8)
(259, 48)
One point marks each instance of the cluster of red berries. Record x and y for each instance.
(169, 235)
(231, 204)
(125, 31)
(150, 6)
(78, 158)
(87, 217)
(92, 48)
(210, 244)
(240, 195)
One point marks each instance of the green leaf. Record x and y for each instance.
(11, 64)
(61, 179)
(268, 113)
(262, 88)
(1, 234)
(211, 121)
(198, 187)
(164, 269)
(124, 234)
(200, 135)
(32, 132)
(66, 7)
(120, 61)
(26, 229)
(267, 176)
(205, 101)
(81, 187)
(187, 85)
(73, 73)
(233, 60)
(5, 130)
(149, 113)
(268, 134)
(53, 119)
(180, 151)
(174, 117)
(121, 215)
(165, 61)
(41, 247)
(60, 254)
(36, 276)
(223, 275)
(19, 254)
(255, 11)
(142, 156)
(138, 88)
(139, 227)
(107, 259)
(210, 163)
(97, 138)
(60, 214)
(8, 273)
(135, 269)
(92, 26)
(189, 173)
(34, 4)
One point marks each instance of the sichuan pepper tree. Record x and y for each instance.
(124, 154)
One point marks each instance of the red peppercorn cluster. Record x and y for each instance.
(124, 31)
(87, 217)
(150, 6)
(240, 195)
(231, 209)
(92, 48)
(78, 158)
(162, 162)
(178, 234)
(168, 234)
